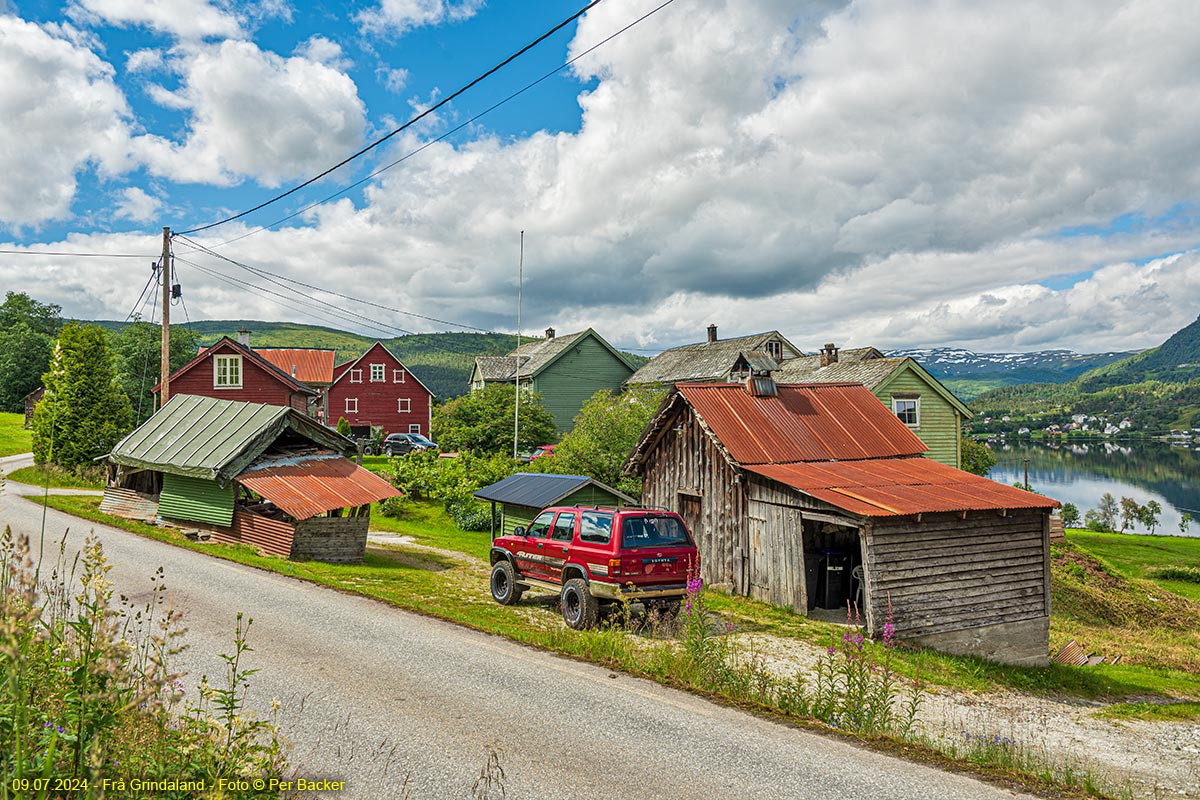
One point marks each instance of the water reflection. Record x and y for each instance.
(1080, 473)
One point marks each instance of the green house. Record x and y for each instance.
(564, 370)
(929, 409)
(520, 497)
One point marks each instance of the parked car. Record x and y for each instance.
(594, 557)
(401, 444)
(544, 450)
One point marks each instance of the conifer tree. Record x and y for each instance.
(84, 412)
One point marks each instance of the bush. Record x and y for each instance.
(1185, 574)
(393, 506)
(452, 481)
(86, 690)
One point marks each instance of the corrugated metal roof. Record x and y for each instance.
(705, 361)
(311, 366)
(537, 490)
(204, 437)
(821, 422)
(311, 484)
(900, 486)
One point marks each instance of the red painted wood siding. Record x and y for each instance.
(258, 385)
(377, 402)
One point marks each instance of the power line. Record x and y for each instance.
(411, 122)
(264, 273)
(450, 132)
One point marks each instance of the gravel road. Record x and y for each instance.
(372, 694)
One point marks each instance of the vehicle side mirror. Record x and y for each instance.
(519, 531)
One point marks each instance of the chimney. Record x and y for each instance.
(549, 333)
(829, 354)
(244, 337)
(293, 370)
(712, 333)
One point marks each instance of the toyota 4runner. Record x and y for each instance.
(593, 557)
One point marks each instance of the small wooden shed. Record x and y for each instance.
(816, 496)
(246, 473)
(519, 498)
(31, 400)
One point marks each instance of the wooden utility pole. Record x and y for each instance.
(165, 272)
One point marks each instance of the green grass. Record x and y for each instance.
(1138, 555)
(59, 478)
(14, 438)
(428, 524)
(1152, 712)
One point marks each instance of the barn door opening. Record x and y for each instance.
(834, 576)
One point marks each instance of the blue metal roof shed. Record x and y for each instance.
(523, 495)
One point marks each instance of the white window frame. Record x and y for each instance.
(398, 376)
(774, 348)
(414, 427)
(380, 370)
(403, 405)
(349, 408)
(227, 361)
(356, 375)
(916, 401)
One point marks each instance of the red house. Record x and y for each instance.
(378, 391)
(231, 371)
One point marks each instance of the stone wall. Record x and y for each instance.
(334, 540)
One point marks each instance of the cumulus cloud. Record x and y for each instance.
(147, 59)
(186, 19)
(137, 205)
(254, 113)
(394, 80)
(324, 51)
(63, 115)
(398, 16)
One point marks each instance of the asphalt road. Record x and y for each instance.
(373, 695)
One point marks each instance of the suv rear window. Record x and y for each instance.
(653, 532)
(595, 527)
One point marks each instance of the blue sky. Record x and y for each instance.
(1025, 179)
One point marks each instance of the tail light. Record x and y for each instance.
(614, 566)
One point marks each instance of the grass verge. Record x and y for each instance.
(58, 477)
(14, 438)
(1152, 712)
(1140, 555)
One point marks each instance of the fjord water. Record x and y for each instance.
(1080, 472)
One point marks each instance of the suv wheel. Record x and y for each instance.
(579, 609)
(505, 590)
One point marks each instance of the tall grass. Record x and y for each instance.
(89, 704)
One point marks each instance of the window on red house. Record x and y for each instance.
(404, 405)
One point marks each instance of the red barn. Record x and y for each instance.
(231, 371)
(377, 390)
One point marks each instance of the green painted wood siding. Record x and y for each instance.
(195, 500)
(578, 374)
(512, 516)
(940, 422)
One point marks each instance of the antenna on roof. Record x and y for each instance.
(517, 379)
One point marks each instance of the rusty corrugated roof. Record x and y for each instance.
(900, 486)
(309, 366)
(819, 422)
(311, 484)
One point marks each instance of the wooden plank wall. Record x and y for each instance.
(777, 555)
(687, 461)
(946, 573)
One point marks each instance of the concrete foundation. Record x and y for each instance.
(1025, 643)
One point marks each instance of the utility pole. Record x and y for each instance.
(517, 381)
(165, 273)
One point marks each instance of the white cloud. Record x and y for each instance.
(398, 16)
(137, 206)
(394, 80)
(145, 60)
(186, 19)
(256, 114)
(324, 51)
(63, 115)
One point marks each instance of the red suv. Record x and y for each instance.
(596, 556)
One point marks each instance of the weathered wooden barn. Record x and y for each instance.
(518, 499)
(813, 496)
(246, 473)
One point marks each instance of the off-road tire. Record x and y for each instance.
(505, 589)
(667, 609)
(579, 609)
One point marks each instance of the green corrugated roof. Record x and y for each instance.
(203, 437)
